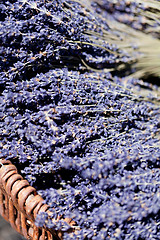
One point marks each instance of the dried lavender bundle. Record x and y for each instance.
(85, 137)
(134, 45)
(140, 15)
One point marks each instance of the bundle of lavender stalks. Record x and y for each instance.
(80, 112)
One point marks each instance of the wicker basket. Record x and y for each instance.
(20, 203)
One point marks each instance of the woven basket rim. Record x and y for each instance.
(28, 203)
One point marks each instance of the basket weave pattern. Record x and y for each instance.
(20, 203)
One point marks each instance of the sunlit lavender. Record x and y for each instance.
(80, 112)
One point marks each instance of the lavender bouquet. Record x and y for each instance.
(80, 112)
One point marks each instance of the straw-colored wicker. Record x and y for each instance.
(20, 203)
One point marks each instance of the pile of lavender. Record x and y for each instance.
(139, 14)
(76, 116)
